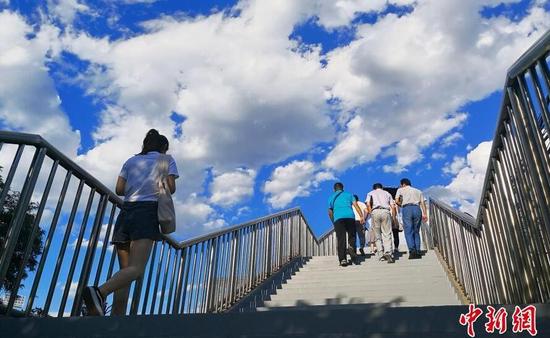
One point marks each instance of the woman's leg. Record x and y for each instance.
(120, 299)
(139, 254)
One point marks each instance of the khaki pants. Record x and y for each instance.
(381, 224)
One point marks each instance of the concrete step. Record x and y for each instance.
(426, 296)
(322, 281)
(361, 278)
(419, 287)
(369, 285)
(401, 301)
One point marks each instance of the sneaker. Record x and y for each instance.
(343, 262)
(362, 252)
(94, 301)
(383, 258)
(352, 253)
(414, 255)
(389, 258)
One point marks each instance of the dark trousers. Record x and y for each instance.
(360, 230)
(345, 233)
(395, 238)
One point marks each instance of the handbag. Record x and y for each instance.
(166, 211)
(396, 225)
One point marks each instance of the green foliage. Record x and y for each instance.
(7, 212)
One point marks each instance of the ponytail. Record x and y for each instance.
(154, 141)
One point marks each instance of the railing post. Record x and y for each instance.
(210, 293)
(88, 258)
(32, 238)
(22, 207)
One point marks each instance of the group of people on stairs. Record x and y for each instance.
(376, 219)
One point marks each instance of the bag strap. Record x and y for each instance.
(162, 169)
(334, 199)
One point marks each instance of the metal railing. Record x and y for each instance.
(71, 215)
(503, 256)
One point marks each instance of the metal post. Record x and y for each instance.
(22, 207)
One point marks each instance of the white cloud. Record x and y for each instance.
(231, 188)
(237, 85)
(138, 1)
(464, 190)
(457, 164)
(451, 139)
(215, 224)
(337, 13)
(407, 77)
(293, 180)
(66, 10)
(24, 102)
(438, 156)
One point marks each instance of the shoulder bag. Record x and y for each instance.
(166, 210)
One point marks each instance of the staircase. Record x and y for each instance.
(418, 282)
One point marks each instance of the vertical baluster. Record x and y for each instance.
(11, 173)
(61, 255)
(175, 272)
(105, 243)
(179, 284)
(47, 244)
(157, 278)
(165, 279)
(32, 238)
(76, 253)
(22, 206)
(211, 281)
(149, 277)
(89, 256)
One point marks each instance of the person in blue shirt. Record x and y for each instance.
(341, 214)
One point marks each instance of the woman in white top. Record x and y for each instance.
(137, 225)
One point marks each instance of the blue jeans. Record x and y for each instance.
(412, 219)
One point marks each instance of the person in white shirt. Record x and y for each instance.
(413, 211)
(381, 206)
(137, 226)
(360, 224)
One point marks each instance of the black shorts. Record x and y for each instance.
(137, 220)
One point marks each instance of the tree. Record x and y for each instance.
(7, 212)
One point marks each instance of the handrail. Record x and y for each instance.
(10, 137)
(503, 255)
(224, 231)
(208, 273)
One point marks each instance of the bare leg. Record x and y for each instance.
(139, 254)
(120, 301)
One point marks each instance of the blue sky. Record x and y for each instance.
(425, 108)
(266, 103)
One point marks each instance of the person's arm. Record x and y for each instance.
(393, 209)
(172, 174)
(369, 205)
(120, 186)
(331, 215)
(423, 208)
(358, 209)
(171, 181)
(398, 199)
